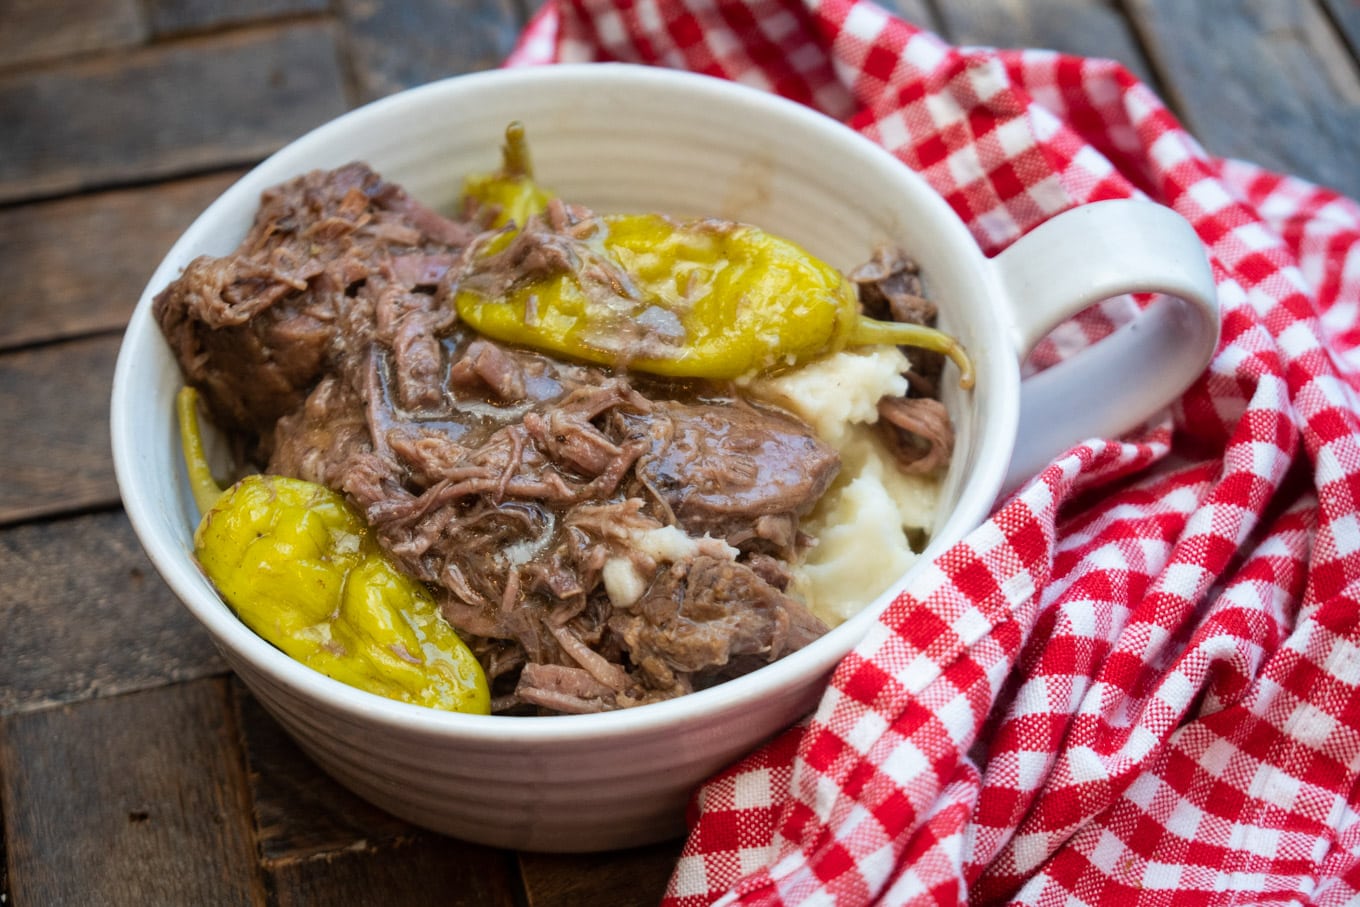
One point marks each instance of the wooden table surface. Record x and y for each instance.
(133, 768)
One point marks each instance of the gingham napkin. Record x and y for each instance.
(1137, 682)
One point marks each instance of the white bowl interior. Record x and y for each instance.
(617, 138)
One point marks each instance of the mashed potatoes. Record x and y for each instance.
(862, 523)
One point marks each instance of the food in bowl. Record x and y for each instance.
(607, 510)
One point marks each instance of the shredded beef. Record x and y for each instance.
(917, 428)
(735, 471)
(704, 616)
(275, 308)
(519, 486)
(918, 431)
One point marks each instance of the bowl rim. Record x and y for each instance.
(175, 563)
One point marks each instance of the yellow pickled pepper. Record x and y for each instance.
(715, 299)
(300, 568)
(510, 193)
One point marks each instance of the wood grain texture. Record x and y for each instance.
(166, 110)
(1346, 15)
(426, 871)
(85, 615)
(625, 878)
(1091, 28)
(136, 800)
(170, 17)
(321, 844)
(36, 30)
(917, 12)
(395, 44)
(78, 265)
(1261, 80)
(54, 405)
(300, 813)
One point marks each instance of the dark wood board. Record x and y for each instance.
(427, 871)
(85, 616)
(78, 265)
(396, 44)
(300, 813)
(54, 406)
(165, 110)
(32, 31)
(322, 844)
(171, 17)
(627, 878)
(1261, 80)
(1091, 28)
(138, 799)
(1346, 15)
(917, 12)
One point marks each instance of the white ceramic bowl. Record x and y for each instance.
(628, 138)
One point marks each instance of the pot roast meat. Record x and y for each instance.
(890, 289)
(736, 471)
(256, 329)
(599, 539)
(512, 508)
(918, 432)
(701, 618)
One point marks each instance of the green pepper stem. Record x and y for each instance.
(898, 333)
(515, 159)
(205, 487)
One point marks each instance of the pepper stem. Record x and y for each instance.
(205, 488)
(898, 333)
(515, 159)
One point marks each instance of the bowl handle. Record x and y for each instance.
(1085, 255)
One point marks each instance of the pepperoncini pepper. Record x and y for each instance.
(685, 299)
(511, 192)
(697, 299)
(300, 568)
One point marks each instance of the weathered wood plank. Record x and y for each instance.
(78, 265)
(5, 896)
(321, 844)
(917, 12)
(399, 43)
(170, 17)
(36, 30)
(300, 813)
(1261, 80)
(138, 800)
(1346, 15)
(625, 877)
(169, 109)
(1088, 28)
(85, 615)
(427, 871)
(54, 420)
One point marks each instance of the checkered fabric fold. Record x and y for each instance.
(1139, 681)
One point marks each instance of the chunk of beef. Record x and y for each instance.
(558, 688)
(255, 330)
(890, 289)
(919, 432)
(490, 366)
(701, 616)
(918, 428)
(736, 471)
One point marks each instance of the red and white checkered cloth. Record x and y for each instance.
(1139, 681)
